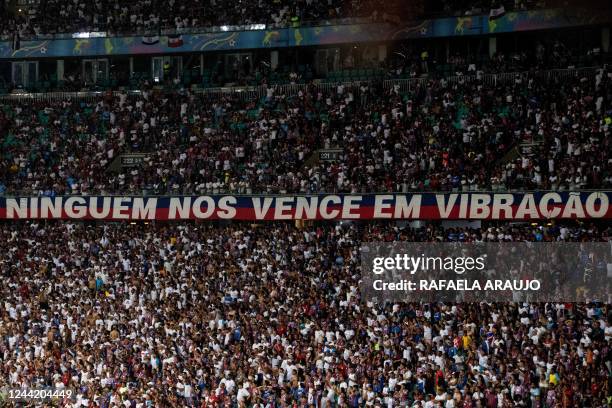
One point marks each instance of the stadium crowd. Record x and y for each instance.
(150, 16)
(406, 61)
(184, 315)
(267, 315)
(440, 135)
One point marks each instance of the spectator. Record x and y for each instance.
(440, 136)
(198, 315)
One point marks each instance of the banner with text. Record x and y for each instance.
(413, 206)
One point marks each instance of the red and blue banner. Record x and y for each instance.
(410, 206)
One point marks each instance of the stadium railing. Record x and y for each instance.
(408, 85)
(255, 92)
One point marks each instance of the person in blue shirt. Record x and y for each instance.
(99, 283)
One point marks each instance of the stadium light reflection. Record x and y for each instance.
(93, 34)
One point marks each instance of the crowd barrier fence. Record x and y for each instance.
(257, 92)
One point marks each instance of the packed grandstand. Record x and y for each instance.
(44, 17)
(441, 136)
(270, 315)
(210, 311)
